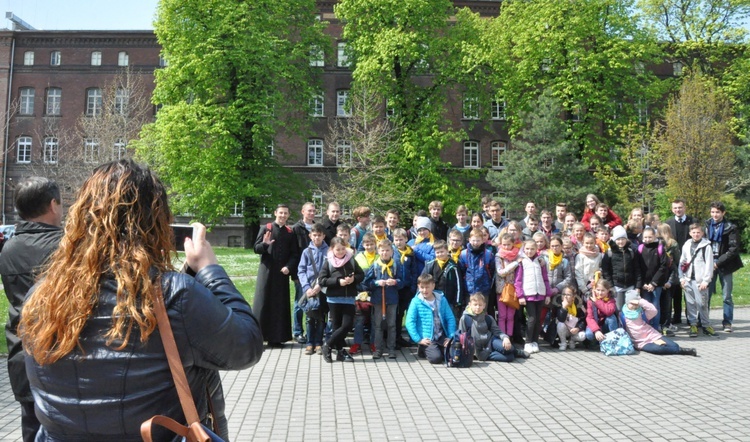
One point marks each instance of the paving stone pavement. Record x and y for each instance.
(572, 395)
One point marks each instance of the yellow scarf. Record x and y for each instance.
(406, 253)
(442, 263)
(386, 267)
(419, 239)
(455, 255)
(369, 257)
(554, 260)
(572, 310)
(603, 246)
(380, 238)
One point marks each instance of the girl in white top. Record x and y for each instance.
(588, 262)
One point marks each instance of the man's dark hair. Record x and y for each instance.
(33, 196)
(718, 205)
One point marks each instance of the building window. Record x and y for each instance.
(471, 154)
(317, 106)
(96, 58)
(239, 209)
(471, 108)
(317, 56)
(265, 212)
(91, 150)
(122, 58)
(23, 154)
(122, 96)
(498, 150)
(642, 110)
(342, 60)
(27, 101)
(54, 100)
(676, 68)
(317, 199)
(390, 110)
(28, 58)
(343, 153)
(315, 152)
(498, 110)
(234, 241)
(342, 103)
(546, 64)
(576, 114)
(51, 150)
(55, 58)
(163, 62)
(270, 149)
(120, 148)
(93, 101)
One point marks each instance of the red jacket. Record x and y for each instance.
(605, 309)
(612, 219)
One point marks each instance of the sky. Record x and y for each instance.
(82, 14)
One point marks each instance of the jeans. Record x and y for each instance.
(499, 353)
(379, 324)
(620, 295)
(726, 294)
(315, 331)
(669, 348)
(655, 299)
(296, 311)
(610, 324)
(361, 321)
(435, 352)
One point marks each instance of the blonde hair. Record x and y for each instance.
(119, 228)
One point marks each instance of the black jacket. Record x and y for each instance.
(20, 260)
(330, 228)
(99, 393)
(329, 277)
(680, 231)
(620, 267)
(728, 259)
(439, 229)
(653, 264)
(303, 240)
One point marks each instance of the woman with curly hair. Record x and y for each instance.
(97, 366)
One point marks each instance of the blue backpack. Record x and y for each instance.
(460, 350)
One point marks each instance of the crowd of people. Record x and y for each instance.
(559, 277)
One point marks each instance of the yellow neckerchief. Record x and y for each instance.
(386, 267)
(554, 260)
(442, 263)
(605, 298)
(369, 257)
(380, 238)
(419, 239)
(572, 310)
(603, 246)
(406, 253)
(456, 254)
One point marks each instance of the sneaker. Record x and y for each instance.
(563, 346)
(528, 348)
(301, 339)
(522, 353)
(346, 356)
(392, 354)
(372, 348)
(709, 331)
(309, 350)
(673, 328)
(377, 354)
(326, 352)
(728, 328)
(571, 344)
(536, 347)
(354, 349)
(693, 333)
(667, 332)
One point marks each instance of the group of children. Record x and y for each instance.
(560, 279)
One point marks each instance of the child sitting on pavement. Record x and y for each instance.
(490, 343)
(635, 316)
(601, 312)
(430, 321)
(571, 319)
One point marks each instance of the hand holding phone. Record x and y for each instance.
(198, 252)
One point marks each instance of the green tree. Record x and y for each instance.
(542, 164)
(590, 55)
(237, 71)
(404, 50)
(695, 144)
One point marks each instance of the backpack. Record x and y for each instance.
(617, 343)
(459, 352)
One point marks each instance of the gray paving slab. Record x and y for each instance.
(573, 395)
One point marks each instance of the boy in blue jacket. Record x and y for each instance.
(430, 320)
(477, 264)
(310, 263)
(383, 281)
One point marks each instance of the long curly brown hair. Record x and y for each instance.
(118, 227)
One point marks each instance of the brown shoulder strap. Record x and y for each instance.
(173, 357)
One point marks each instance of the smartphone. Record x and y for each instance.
(179, 233)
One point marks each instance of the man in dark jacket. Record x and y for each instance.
(39, 205)
(725, 242)
(301, 230)
(331, 221)
(680, 225)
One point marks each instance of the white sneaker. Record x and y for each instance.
(529, 348)
(572, 344)
(536, 347)
(563, 346)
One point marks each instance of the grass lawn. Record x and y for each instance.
(242, 266)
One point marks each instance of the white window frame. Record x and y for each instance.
(239, 209)
(96, 58)
(122, 97)
(51, 150)
(28, 58)
(26, 101)
(317, 106)
(271, 149)
(343, 153)
(23, 150)
(53, 105)
(94, 101)
(342, 100)
(55, 58)
(120, 148)
(264, 212)
(470, 108)
(576, 113)
(317, 199)
(91, 151)
(342, 58)
(471, 154)
(315, 152)
(163, 62)
(677, 68)
(123, 59)
(498, 110)
(317, 56)
(498, 149)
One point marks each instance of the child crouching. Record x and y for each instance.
(571, 319)
(430, 320)
(490, 343)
